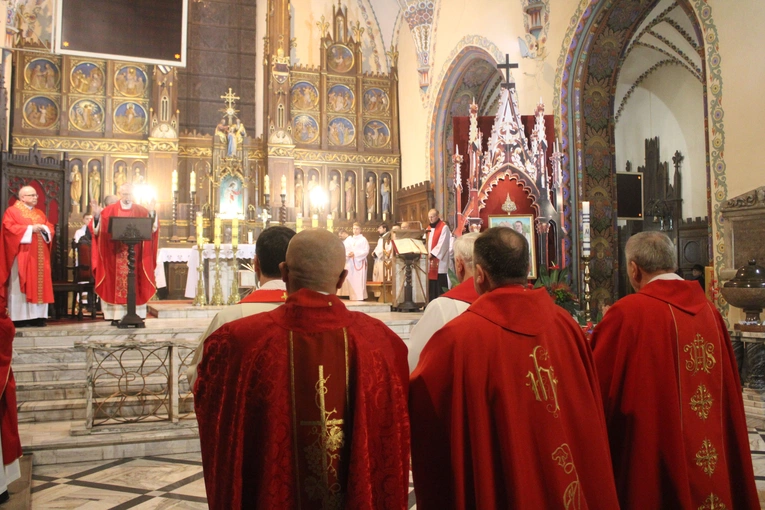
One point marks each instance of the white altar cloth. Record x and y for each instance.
(243, 252)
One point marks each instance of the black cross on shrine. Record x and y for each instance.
(506, 67)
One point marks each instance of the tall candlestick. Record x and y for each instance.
(235, 231)
(249, 237)
(175, 181)
(284, 185)
(266, 185)
(330, 223)
(299, 222)
(217, 232)
(193, 182)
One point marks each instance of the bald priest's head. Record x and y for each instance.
(315, 261)
(500, 257)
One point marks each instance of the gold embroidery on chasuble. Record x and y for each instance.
(320, 399)
(701, 354)
(706, 457)
(35, 216)
(713, 503)
(701, 402)
(572, 496)
(542, 381)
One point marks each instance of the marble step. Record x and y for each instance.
(65, 441)
(186, 311)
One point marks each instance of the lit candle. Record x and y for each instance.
(330, 222)
(249, 237)
(175, 181)
(193, 182)
(235, 231)
(299, 222)
(284, 185)
(315, 221)
(217, 232)
(200, 228)
(266, 185)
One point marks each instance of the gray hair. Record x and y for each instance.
(463, 247)
(653, 252)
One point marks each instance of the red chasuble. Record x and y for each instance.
(464, 292)
(304, 407)
(506, 412)
(673, 401)
(111, 265)
(9, 421)
(34, 258)
(266, 296)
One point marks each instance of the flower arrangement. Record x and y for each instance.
(555, 280)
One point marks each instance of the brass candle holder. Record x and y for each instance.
(217, 297)
(233, 296)
(200, 299)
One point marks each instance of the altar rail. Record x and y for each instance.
(135, 381)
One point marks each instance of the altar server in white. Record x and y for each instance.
(357, 249)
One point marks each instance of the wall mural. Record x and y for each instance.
(305, 129)
(339, 58)
(304, 96)
(376, 101)
(86, 115)
(87, 78)
(41, 112)
(130, 81)
(42, 74)
(376, 134)
(130, 117)
(341, 131)
(340, 99)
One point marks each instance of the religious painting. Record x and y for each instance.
(376, 101)
(304, 96)
(87, 78)
(340, 99)
(130, 117)
(41, 112)
(31, 22)
(86, 115)
(231, 196)
(341, 132)
(339, 58)
(376, 134)
(305, 129)
(130, 81)
(120, 175)
(524, 225)
(42, 74)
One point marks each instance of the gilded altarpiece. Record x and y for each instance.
(343, 124)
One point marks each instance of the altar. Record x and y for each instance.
(244, 253)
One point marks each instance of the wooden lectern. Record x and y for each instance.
(131, 231)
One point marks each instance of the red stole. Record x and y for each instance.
(9, 422)
(433, 237)
(464, 292)
(33, 259)
(266, 296)
(111, 277)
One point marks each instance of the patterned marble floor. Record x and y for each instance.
(176, 482)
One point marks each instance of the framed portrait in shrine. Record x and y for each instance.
(524, 225)
(231, 196)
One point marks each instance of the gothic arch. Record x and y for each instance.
(448, 93)
(588, 69)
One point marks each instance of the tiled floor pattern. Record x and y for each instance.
(176, 482)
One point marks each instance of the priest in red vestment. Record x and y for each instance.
(504, 403)
(671, 391)
(270, 251)
(10, 444)
(305, 406)
(439, 239)
(448, 306)
(25, 270)
(111, 273)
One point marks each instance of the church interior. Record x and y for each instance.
(584, 121)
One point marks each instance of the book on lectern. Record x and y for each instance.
(405, 246)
